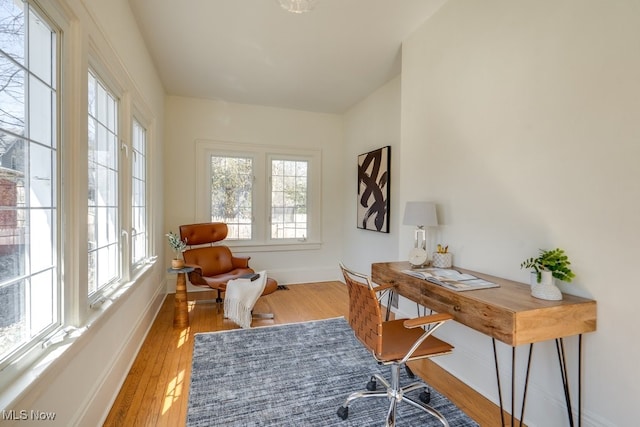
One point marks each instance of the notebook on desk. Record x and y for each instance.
(451, 279)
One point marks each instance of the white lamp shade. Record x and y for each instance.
(421, 214)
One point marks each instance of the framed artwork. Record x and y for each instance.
(373, 190)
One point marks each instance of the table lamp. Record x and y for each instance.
(420, 214)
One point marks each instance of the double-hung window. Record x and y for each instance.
(268, 196)
(29, 192)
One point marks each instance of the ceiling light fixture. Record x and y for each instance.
(297, 6)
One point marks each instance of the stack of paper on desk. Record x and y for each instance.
(451, 279)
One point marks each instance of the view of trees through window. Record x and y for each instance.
(231, 194)
(289, 199)
(28, 189)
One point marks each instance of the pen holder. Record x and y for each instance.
(442, 260)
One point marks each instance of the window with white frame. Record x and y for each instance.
(29, 192)
(231, 193)
(289, 189)
(139, 233)
(266, 195)
(103, 184)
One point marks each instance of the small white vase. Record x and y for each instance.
(546, 289)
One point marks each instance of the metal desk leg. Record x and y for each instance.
(562, 360)
(513, 383)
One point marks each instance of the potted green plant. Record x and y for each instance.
(178, 246)
(549, 264)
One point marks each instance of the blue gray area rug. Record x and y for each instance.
(293, 375)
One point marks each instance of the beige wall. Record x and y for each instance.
(372, 123)
(189, 120)
(526, 114)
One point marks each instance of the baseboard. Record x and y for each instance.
(95, 409)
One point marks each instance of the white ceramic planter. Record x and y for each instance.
(546, 289)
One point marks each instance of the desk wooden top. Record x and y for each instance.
(508, 313)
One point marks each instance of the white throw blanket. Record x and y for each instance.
(240, 297)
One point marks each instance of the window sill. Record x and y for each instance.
(240, 247)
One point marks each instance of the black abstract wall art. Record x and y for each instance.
(373, 190)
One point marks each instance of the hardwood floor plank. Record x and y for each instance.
(155, 392)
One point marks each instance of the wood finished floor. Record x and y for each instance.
(156, 389)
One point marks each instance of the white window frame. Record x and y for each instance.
(261, 205)
(17, 361)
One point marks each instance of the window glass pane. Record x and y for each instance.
(40, 48)
(12, 29)
(41, 182)
(12, 159)
(40, 111)
(92, 95)
(231, 198)
(289, 199)
(42, 309)
(41, 239)
(13, 322)
(13, 232)
(12, 101)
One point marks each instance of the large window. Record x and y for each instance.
(231, 194)
(266, 195)
(139, 233)
(103, 203)
(29, 283)
(289, 188)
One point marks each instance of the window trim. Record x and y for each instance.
(262, 241)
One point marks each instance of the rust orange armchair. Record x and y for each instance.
(214, 263)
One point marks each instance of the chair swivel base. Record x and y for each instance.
(395, 394)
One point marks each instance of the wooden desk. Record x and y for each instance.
(508, 313)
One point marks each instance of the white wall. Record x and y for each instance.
(189, 120)
(83, 375)
(372, 123)
(527, 115)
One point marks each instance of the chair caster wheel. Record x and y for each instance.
(425, 397)
(372, 384)
(343, 412)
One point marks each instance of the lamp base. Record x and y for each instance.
(420, 266)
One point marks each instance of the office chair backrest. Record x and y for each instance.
(365, 317)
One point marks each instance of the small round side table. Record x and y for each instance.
(181, 311)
